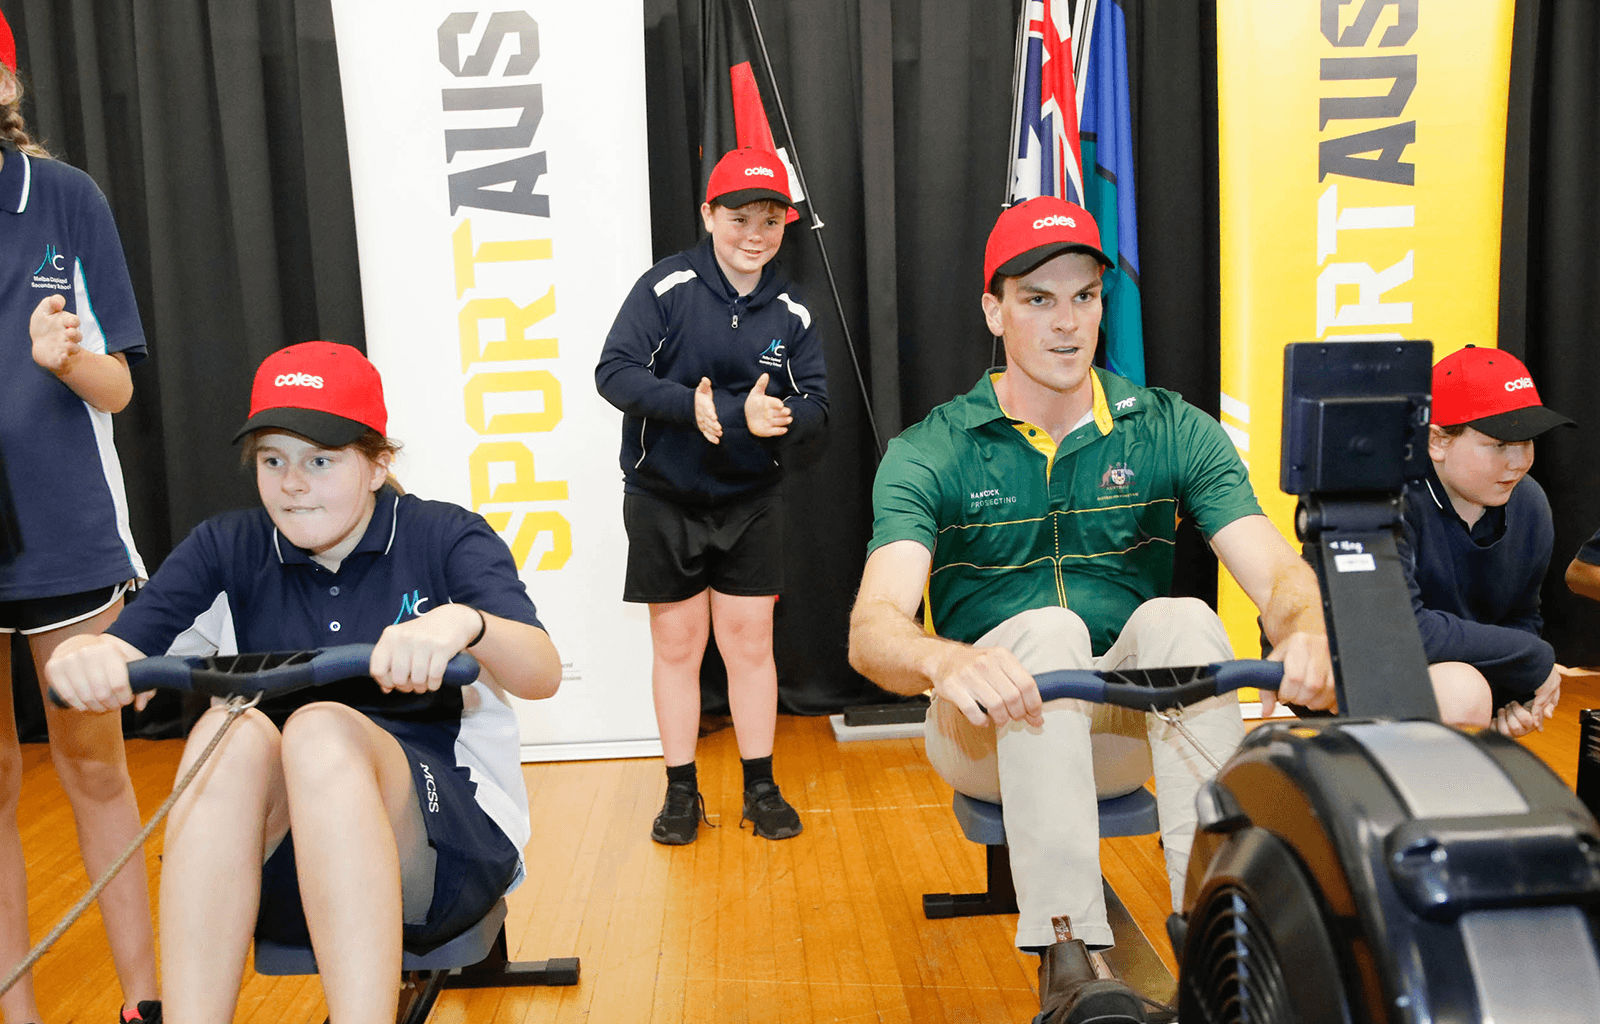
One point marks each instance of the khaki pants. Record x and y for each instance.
(1050, 778)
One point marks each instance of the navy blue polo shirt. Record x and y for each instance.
(61, 467)
(236, 585)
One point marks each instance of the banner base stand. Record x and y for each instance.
(599, 750)
(884, 731)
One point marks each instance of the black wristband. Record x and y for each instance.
(483, 627)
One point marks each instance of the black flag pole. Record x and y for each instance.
(1018, 60)
(816, 228)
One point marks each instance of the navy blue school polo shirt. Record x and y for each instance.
(61, 467)
(235, 584)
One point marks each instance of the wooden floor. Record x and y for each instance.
(824, 927)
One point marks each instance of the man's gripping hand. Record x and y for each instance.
(988, 685)
(1283, 587)
(1307, 673)
(56, 334)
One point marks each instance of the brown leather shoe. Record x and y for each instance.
(1070, 993)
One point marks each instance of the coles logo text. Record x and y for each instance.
(1054, 221)
(767, 171)
(1519, 383)
(298, 380)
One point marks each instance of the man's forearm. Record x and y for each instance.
(892, 650)
(1294, 606)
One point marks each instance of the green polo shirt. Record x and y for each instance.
(1015, 521)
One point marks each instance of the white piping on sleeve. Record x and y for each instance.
(797, 309)
(672, 280)
(642, 450)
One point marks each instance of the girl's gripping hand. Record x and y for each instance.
(411, 656)
(90, 673)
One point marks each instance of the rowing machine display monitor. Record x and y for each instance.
(1355, 431)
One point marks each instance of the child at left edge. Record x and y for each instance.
(69, 331)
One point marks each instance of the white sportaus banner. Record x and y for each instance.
(498, 157)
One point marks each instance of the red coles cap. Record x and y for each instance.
(327, 393)
(1033, 231)
(746, 175)
(8, 45)
(1491, 391)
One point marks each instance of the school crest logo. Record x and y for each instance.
(52, 271)
(411, 604)
(52, 259)
(1117, 475)
(773, 356)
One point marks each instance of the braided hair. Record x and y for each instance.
(13, 130)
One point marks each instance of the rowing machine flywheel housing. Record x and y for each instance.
(1367, 871)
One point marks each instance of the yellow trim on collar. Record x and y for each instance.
(1102, 408)
(1032, 433)
(1038, 437)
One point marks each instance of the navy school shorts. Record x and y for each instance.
(676, 551)
(476, 862)
(43, 614)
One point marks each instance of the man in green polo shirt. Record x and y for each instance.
(1037, 515)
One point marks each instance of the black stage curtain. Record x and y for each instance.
(216, 130)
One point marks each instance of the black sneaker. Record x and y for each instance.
(148, 1011)
(769, 813)
(681, 815)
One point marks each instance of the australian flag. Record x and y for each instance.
(733, 89)
(1075, 140)
(1047, 162)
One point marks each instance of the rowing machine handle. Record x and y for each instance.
(1217, 678)
(273, 675)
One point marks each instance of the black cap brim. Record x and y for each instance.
(739, 197)
(1026, 262)
(322, 428)
(1521, 424)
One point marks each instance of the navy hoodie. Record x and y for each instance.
(684, 321)
(1476, 592)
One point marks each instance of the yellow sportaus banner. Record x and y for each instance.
(1362, 149)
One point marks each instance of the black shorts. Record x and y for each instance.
(42, 614)
(676, 551)
(476, 862)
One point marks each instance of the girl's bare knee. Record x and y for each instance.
(243, 761)
(323, 743)
(91, 767)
